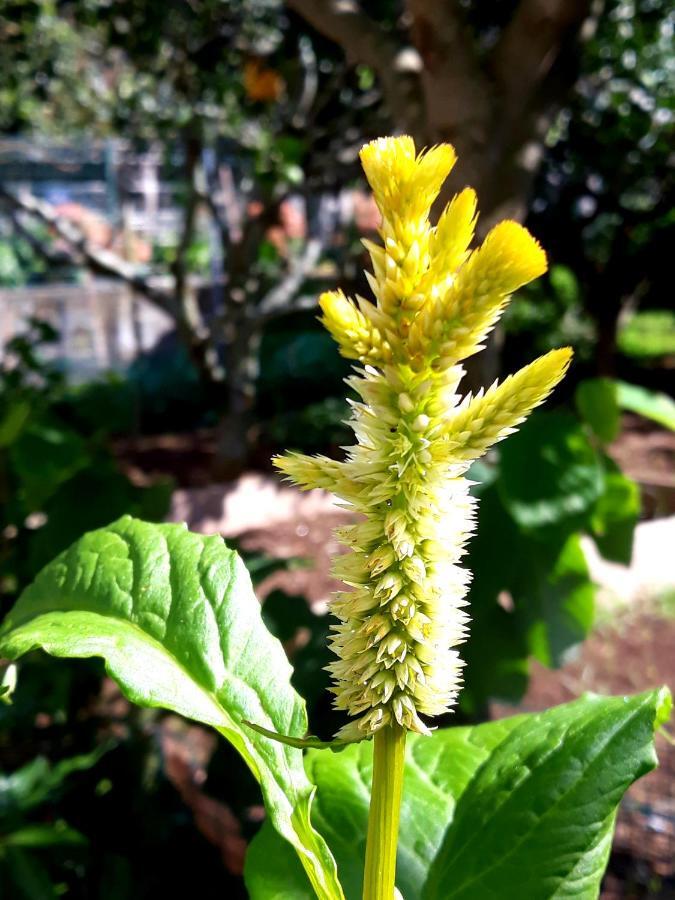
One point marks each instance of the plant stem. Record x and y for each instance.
(385, 808)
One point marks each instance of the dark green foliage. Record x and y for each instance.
(33, 844)
(531, 594)
(550, 313)
(603, 203)
(57, 476)
(19, 264)
(597, 402)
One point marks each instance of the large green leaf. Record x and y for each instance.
(537, 819)
(550, 474)
(497, 656)
(522, 807)
(176, 620)
(555, 601)
(531, 596)
(12, 420)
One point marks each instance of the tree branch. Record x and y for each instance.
(365, 41)
(179, 266)
(279, 298)
(443, 39)
(103, 262)
(189, 319)
(529, 45)
(457, 91)
(534, 65)
(98, 260)
(48, 253)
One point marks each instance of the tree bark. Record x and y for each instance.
(242, 364)
(494, 107)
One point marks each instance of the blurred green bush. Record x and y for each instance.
(532, 596)
(58, 478)
(648, 335)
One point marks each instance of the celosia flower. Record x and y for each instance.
(403, 613)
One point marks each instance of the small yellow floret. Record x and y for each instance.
(310, 472)
(509, 258)
(355, 334)
(454, 232)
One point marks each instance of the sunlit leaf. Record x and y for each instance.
(175, 618)
(518, 808)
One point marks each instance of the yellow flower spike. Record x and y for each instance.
(310, 472)
(453, 234)
(356, 335)
(405, 184)
(491, 417)
(453, 327)
(403, 613)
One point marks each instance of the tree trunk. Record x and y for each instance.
(239, 392)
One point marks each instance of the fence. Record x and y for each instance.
(101, 324)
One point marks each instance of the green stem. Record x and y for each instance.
(385, 808)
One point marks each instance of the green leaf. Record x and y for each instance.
(531, 595)
(45, 455)
(615, 516)
(12, 421)
(39, 780)
(558, 603)
(550, 474)
(652, 405)
(597, 402)
(176, 620)
(273, 872)
(33, 836)
(648, 335)
(521, 807)
(538, 818)
(497, 653)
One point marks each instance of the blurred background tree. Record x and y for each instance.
(253, 103)
(244, 113)
(604, 195)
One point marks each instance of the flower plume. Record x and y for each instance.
(402, 614)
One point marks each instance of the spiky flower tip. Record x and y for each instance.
(403, 614)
